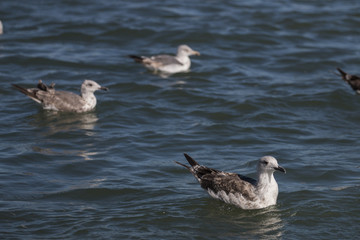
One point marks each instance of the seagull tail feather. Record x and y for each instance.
(30, 94)
(23, 90)
(343, 74)
(190, 160)
(183, 165)
(137, 58)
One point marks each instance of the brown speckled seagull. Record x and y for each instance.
(63, 101)
(241, 191)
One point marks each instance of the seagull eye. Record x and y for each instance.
(90, 85)
(265, 162)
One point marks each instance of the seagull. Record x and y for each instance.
(1, 27)
(236, 189)
(168, 64)
(63, 101)
(352, 80)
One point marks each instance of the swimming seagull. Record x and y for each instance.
(63, 100)
(241, 191)
(352, 80)
(168, 64)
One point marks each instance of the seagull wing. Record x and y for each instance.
(163, 60)
(229, 183)
(216, 181)
(61, 100)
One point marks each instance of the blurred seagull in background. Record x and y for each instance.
(63, 101)
(352, 80)
(241, 191)
(166, 64)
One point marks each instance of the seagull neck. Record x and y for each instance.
(267, 188)
(90, 100)
(87, 95)
(265, 179)
(183, 58)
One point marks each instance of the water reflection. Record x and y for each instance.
(248, 224)
(55, 122)
(49, 124)
(87, 155)
(268, 224)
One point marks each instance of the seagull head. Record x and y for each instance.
(269, 164)
(91, 86)
(186, 50)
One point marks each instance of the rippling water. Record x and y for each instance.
(264, 84)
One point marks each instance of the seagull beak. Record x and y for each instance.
(281, 169)
(104, 88)
(196, 53)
